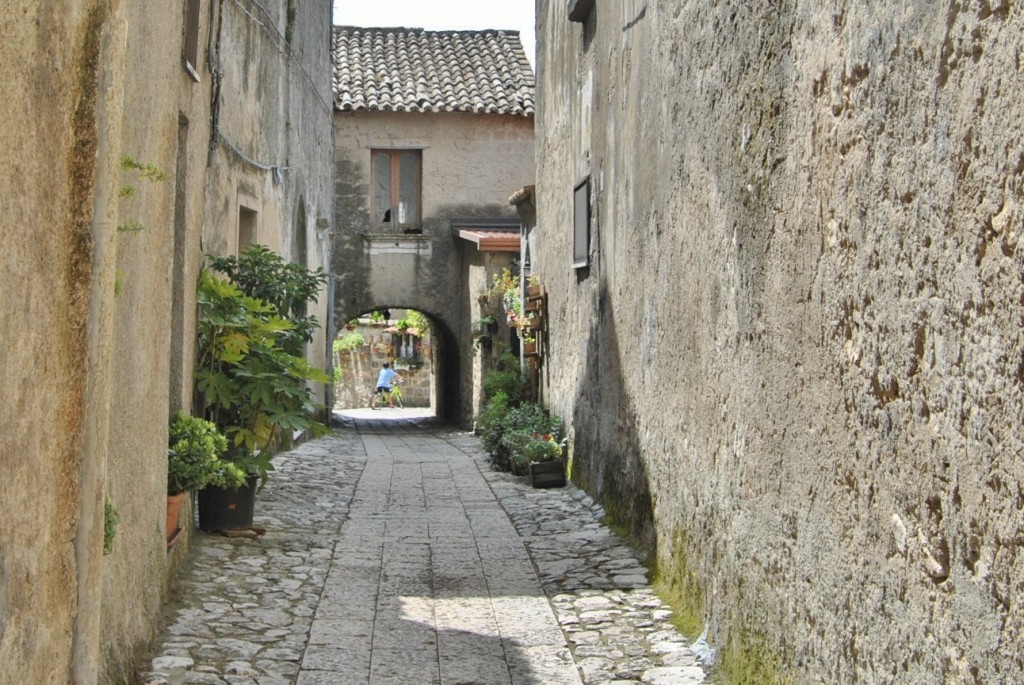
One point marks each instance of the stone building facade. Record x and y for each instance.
(98, 297)
(431, 128)
(789, 348)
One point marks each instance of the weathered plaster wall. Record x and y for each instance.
(274, 149)
(85, 323)
(134, 574)
(98, 323)
(794, 363)
(471, 164)
(45, 246)
(310, 182)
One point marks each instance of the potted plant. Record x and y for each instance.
(250, 369)
(487, 324)
(544, 455)
(484, 341)
(530, 345)
(509, 426)
(194, 448)
(533, 287)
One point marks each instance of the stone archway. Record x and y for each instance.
(439, 273)
(360, 361)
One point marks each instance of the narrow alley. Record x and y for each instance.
(393, 554)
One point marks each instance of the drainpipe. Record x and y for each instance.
(331, 332)
(88, 541)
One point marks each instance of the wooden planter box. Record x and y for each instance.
(547, 474)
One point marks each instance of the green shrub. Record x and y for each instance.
(415, 322)
(289, 288)
(512, 444)
(508, 434)
(541, 448)
(227, 475)
(513, 383)
(110, 520)
(193, 456)
(487, 423)
(349, 341)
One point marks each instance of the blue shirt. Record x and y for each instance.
(384, 378)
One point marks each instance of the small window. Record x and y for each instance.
(581, 224)
(190, 41)
(395, 189)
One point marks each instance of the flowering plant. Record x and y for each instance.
(541, 447)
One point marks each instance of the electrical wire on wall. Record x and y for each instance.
(281, 44)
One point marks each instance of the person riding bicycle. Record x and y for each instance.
(385, 379)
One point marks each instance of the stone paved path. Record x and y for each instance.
(395, 556)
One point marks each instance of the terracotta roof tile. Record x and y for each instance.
(414, 70)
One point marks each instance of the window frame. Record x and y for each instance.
(395, 157)
(192, 10)
(581, 224)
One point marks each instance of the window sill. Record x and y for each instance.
(397, 243)
(388, 229)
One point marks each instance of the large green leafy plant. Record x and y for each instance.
(250, 370)
(288, 288)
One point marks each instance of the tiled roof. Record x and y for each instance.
(414, 70)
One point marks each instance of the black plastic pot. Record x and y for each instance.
(227, 509)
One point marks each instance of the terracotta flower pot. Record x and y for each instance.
(174, 503)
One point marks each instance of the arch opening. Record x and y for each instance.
(418, 346)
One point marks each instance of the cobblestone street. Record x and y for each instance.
(393, 554)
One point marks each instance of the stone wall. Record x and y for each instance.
(793, 364)
(471, 164)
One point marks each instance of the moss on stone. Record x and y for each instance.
(676, 582)
(748, 659)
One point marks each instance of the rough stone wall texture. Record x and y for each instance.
(471, 164)
(793, 366)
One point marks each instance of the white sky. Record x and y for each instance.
(516, 15)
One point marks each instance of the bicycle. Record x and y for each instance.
(380, 399)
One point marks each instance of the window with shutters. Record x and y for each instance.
(395, 189)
